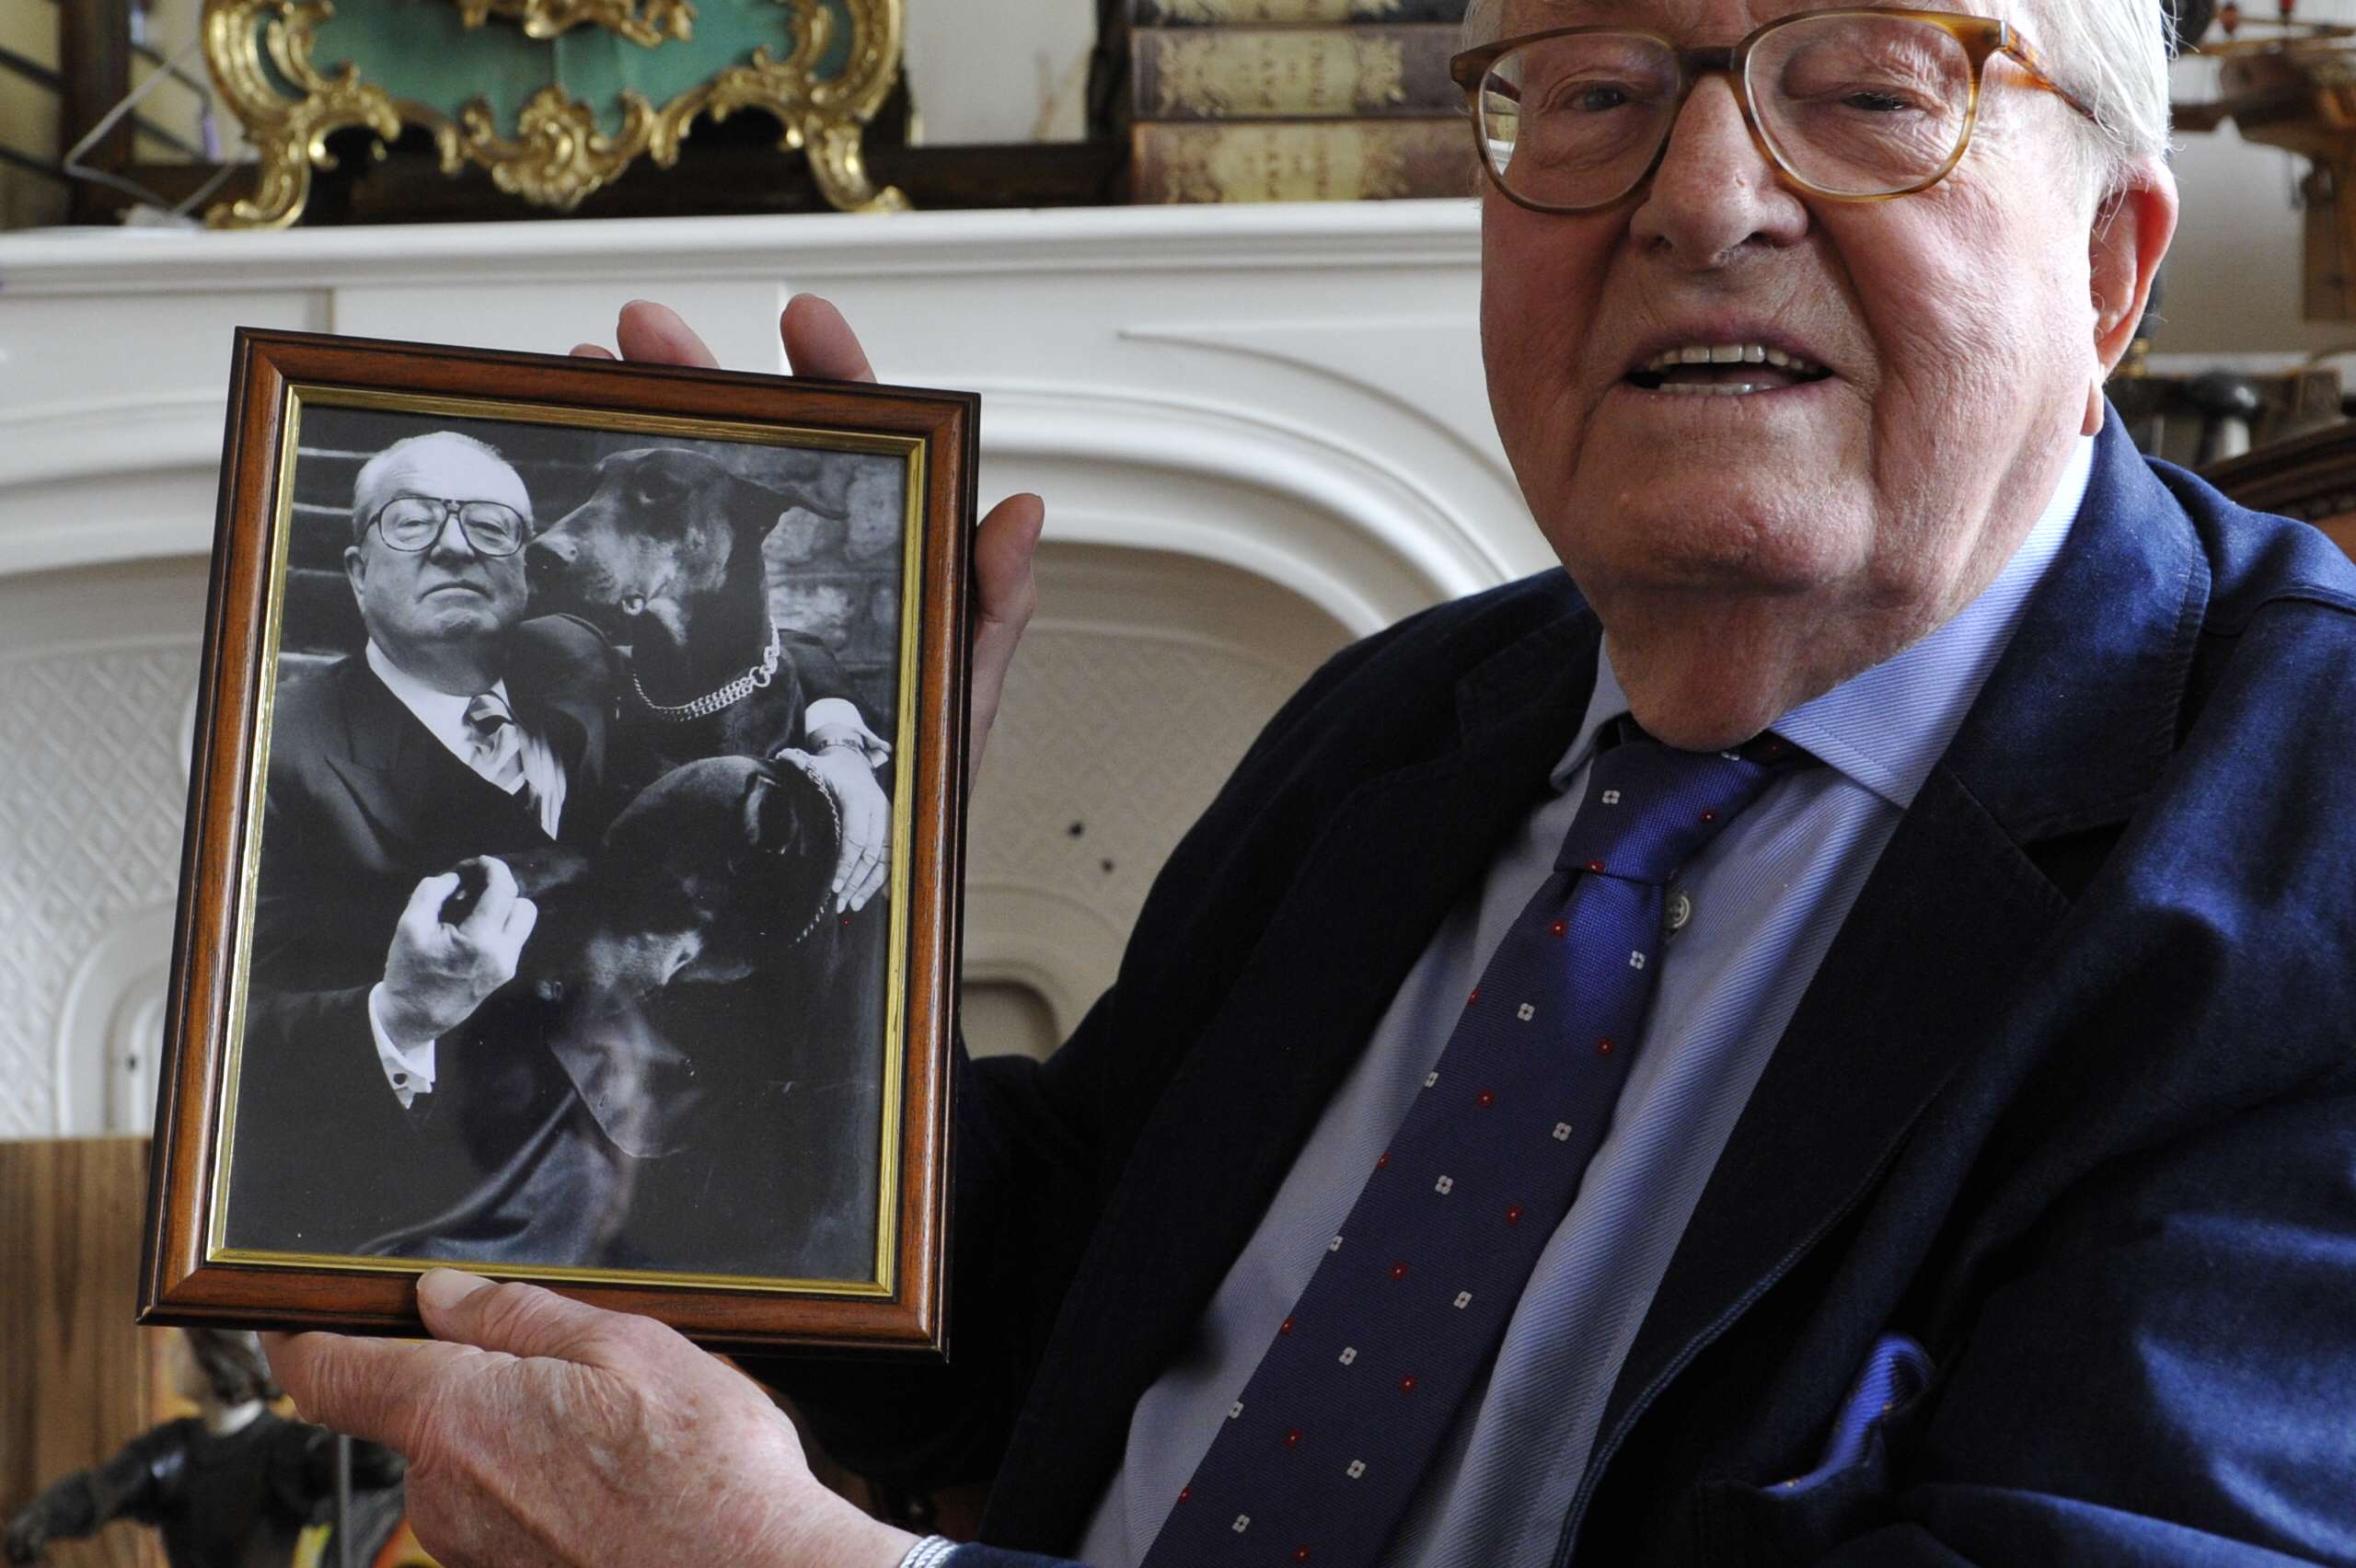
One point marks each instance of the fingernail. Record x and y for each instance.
(445, 1288)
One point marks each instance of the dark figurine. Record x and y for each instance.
(234, 1486)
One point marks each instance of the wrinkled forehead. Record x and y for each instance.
(453, 469)
(1693, 21)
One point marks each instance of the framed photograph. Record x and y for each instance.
(571, 890)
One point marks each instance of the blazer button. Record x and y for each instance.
(1680, 911)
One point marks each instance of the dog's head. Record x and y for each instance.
(665, 527)
(716, 867)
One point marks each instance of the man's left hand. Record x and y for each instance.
(865, 858)
(542, 1431)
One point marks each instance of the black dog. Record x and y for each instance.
(718, 865)
(664, 557)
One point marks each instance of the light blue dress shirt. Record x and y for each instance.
(1765, 899)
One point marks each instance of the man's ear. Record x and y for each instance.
(356, 570)
(2132, 229)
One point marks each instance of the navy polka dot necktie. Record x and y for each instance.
(1318, 1459)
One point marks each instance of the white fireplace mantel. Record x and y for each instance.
(1260, 432)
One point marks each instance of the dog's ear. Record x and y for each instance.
(773, 818)
(754, 508)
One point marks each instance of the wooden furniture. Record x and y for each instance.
(2310, 476)
(77, 1379)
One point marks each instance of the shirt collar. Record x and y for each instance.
(1886, 728)
(439, 711)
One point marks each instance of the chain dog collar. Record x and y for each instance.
(713, 702)
(795, 759)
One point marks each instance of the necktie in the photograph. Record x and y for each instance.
(498, 743)
(1318, 1459)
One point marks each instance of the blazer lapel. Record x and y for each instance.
(1394, 857)
(425, 805)
(2068, 735)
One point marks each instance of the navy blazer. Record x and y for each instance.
(2072, 1100)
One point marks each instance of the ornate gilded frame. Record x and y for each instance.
(659, 21)
(559, 154)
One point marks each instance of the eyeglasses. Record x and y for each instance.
(414, 521)
(1858, 105)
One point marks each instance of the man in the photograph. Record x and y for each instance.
(371, 1098)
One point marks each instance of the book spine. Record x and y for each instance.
(1331, 160)
(1293, 72)
(1289, 13)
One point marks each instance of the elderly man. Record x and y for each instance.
(377, 1111)
(1814, 1035)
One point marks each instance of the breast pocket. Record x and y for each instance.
(1845, 1493)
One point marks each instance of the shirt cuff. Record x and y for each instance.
(409, 1071)
(932, 1551)
(836, 718)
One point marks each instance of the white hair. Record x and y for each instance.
(2114, 56)
(2111, 55)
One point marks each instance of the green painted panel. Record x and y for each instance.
(419, 48)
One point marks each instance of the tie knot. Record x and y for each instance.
(486, 715)
(1650, 808)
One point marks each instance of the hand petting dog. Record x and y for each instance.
(866, 854)
(540, 1431)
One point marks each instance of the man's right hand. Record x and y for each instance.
(819, 342)
(436, 974)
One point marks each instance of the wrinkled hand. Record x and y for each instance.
(541, 1431)
(819, 342)
(437, 975)
(865, 859)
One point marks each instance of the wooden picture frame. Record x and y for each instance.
(680, 1104)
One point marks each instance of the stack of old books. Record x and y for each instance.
(1296, 100)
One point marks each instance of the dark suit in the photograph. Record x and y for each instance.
(362, 803)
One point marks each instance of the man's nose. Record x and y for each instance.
(452, 540)
(1715, 192)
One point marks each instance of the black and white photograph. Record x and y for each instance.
(570, 928)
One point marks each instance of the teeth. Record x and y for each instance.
(1733, 353)
(1714, 389)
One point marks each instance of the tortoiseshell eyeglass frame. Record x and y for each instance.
(1982, 39)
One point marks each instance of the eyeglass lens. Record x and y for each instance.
(1851, 105)
(414, 523)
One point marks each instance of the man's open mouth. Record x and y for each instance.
(1724, 370)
